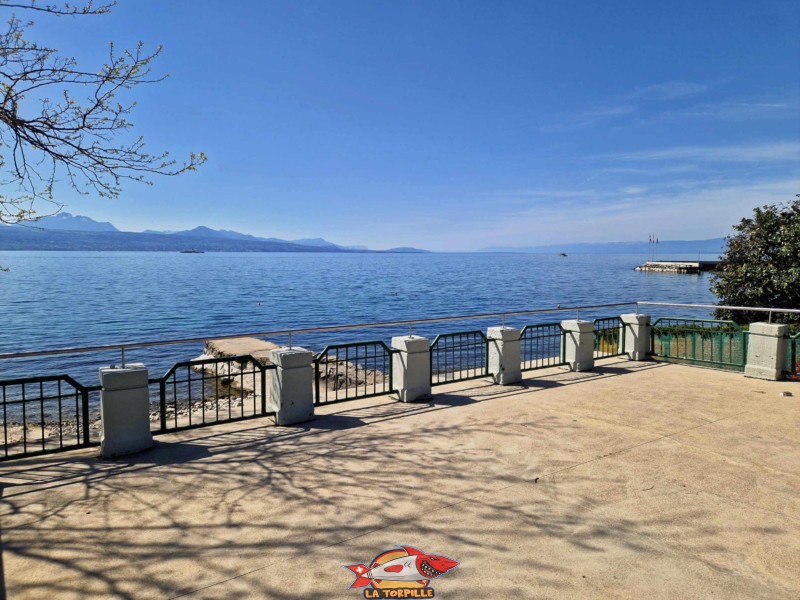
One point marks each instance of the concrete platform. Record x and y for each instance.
(637, 480)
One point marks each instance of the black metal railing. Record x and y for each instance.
(459, 356)
(210, 391)
(609, 337)
(52, 413)
(44, 414)
(542, 346)
(350, 371)
(708, 342)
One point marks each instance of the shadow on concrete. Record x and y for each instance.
(213, 505)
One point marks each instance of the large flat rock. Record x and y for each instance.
(258, 349)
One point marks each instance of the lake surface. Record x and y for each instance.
(65, 299)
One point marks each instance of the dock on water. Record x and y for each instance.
(678, 266)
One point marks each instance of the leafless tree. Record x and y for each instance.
(63, 122)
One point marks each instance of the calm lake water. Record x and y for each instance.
(58, 299)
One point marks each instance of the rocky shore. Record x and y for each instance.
(233, 389)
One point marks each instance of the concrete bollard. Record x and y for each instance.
(411, 368)
(636, 330)
(124, 410)
(766, 351)
(291, 395)
(504, 355)
(579, 344)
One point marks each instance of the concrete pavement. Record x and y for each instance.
(635, 480)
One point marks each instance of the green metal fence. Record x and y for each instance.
(459, 356)
(350, 371)
(792, 365)
(542, 346)
(609, 337)
(711, 343)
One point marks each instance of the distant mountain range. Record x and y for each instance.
(74, 232)
(64, 221)
(711, 246)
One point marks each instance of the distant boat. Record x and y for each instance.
(192, 251)
(563, 254)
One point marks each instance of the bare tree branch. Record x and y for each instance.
(65, 9)
(58, 119)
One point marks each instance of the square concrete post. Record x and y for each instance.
(636, 336)
(124, 410)
(504, 355)
(578, 344)
(411, 368)
(766, 351)
(291, 395)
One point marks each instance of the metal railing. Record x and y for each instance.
(609, 337)
(350, 371)
(123, 347)
(44, 414)
(709, 342)
(51, 413)
(762, 309)
(203, 392)
(459, 356)
(542, 346)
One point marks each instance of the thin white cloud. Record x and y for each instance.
(667, 91)
(650, 172)
(738, 111)
(713, 209)
(543, 193)
(628, 104)
(687, 209)
(610, 111)
(742, 153)
(634, 189)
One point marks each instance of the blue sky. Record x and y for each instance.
(458, 125)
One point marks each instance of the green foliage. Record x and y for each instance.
(761, 265)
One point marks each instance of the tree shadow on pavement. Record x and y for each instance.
(253, 505)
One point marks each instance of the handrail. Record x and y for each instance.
(455, 333)
(693, 320)
(325, 329)
(48, 379)
(324, 351)
(117, 347)
(723, 307)
(249, 358)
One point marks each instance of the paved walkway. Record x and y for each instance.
(639, 480)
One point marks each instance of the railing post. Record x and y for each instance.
(124, 410)
(316, 379)
(505, 364)
(291, 397)
(162, 404)
(636, 338)
(578, 344)
(766, 351)
(411, 367)
(263, 388)
(84, 416)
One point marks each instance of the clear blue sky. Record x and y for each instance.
(455, 125)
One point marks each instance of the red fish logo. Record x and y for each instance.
(404, 568)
